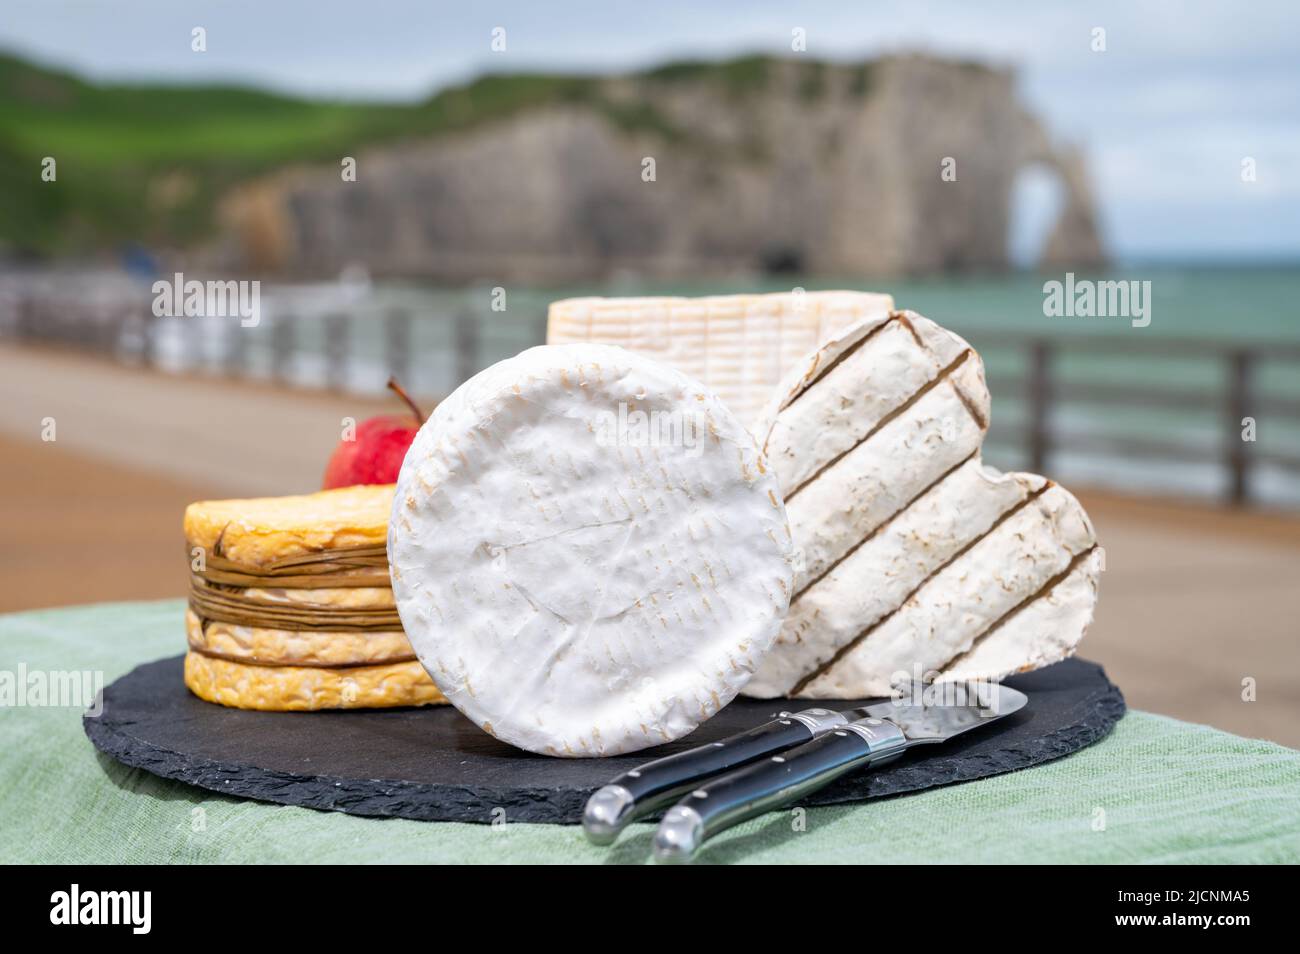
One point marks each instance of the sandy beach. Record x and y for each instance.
(1195, 599)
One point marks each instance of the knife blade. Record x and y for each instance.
(649, 787)
(870, 741)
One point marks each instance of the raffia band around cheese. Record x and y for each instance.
(259, 645)
(299, 688)
(918, 561)
(364, 609)
(335, 569)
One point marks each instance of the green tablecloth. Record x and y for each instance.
(1155, 790)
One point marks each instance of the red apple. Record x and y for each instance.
(375, 454)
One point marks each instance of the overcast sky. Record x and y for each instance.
(1183, 92)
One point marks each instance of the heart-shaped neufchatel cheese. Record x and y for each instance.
(919, 563)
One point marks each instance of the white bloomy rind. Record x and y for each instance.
(740, 346)
(581, 596)
(918, 561)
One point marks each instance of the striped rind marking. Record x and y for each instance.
(1040, 633)
(879, 476)
(844, 650)
(1025, 554)
(943, 377)
(796, 643)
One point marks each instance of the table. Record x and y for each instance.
(1155, 790)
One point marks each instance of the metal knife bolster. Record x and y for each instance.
(649, 787)
(763, 785)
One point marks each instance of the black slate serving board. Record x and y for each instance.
(432, 764)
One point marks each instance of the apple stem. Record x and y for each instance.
(401, 393)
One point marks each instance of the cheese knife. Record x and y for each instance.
(649, 787)
(870, 741)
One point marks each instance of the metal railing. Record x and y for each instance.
(129, 332)
(334, 341)
(1044, 391)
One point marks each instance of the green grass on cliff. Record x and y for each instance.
(148, 162)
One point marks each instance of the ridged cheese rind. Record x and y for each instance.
(340, 597)
(879, 575)
(963, 600)
(258, 531)
(740, 346)
(917, 561)
(858, 491)
(857, 388)
(288, 647)
(1044, 632)
(306, 688)
(574, 589)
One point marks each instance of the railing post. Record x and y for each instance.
(24, 326)
(1237, 456)
(108, 323)
(282, 343)
(148, 324)
(1038, 398)
(89, 333)
(121, 323)
(466, 332)
(397, 342)
(336, 331)
(236, 356)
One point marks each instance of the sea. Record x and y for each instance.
(1141, 397)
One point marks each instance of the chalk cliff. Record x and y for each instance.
(692, 169)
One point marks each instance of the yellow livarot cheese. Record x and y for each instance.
(287, 647)
(739, 345)
(301, 688)
(258, 532)
(291, 608)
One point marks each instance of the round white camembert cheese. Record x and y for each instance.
(588, 552)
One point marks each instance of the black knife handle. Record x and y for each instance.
(753, 789)
(649, 787)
